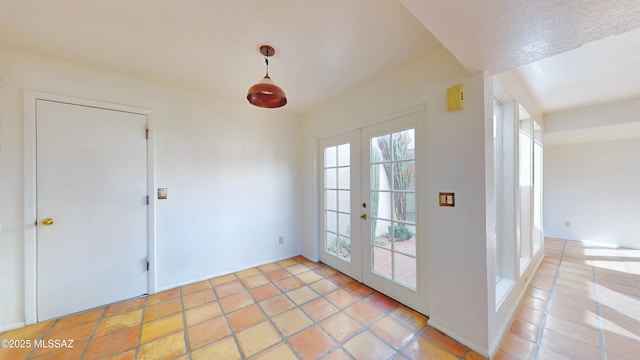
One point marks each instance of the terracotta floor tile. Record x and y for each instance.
(530, 315)
(367, 346)
(340, 327)
(61, 354)
(77, 319)
(124, 306)
(568, 347)
(162, 309)
(257, 338)
(411, 318)
(207, 332)
(198, 298)
(163, 296)
(255, 281)
(360, 290)
(323, 286)
(287, 262)
(195, 287)
(291, 321)
(311, 343)
(161, 327)
(534, 303)
(269, 267)
(276, 305)
(501, 355)
(118, 322)
(248, 273)
(572, 330)
(245, 317)
(319, 309)
(202, 313)
(112, 344)
(392, 331)
(264, 292)
(472, 355)
(78, 334)
(289, 283)
(309, 277)
(341, 298)
(228, 289)
(337, 354)
(224, 349)
(363, 313)
(445, 342)
(32, 331)
(168, 347)
(621, 346)
(297, 269)
(277, 274)
(421, 348)
(302, 295)
(576, 315)
(235, 302)
(14, 353)
(278, 352)
(325, 271)
(517, 346)
(220, 280)
(340, 279)
(525, 330)
(382, 302)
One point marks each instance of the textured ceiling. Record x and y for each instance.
(324, 48)
(499, 35)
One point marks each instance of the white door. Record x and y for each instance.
(371, 227)
(340, 224)
(91, 207)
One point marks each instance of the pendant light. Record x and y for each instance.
(266, 93)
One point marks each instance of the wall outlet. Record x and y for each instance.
(281, 240)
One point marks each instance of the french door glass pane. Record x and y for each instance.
(337, 182)
(393, 206)
(331, 199)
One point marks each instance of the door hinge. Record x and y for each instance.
(148, 263)
(146, 132)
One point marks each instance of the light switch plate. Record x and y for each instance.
(447, 199)
(162, 193)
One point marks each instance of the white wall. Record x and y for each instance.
(233, 174)
(595, 187)
(457, 261)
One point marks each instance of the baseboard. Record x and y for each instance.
(11, 327)
(211, 276)
(482, 350)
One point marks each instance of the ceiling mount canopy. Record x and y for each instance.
(266, 93)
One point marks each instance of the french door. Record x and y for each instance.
(370, 228)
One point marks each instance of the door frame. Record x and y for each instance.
(422, 286)
(30, 197)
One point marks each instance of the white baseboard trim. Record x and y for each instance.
(11, 327)
(482, 350)
(211, 276)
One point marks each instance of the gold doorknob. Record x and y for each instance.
(47, 221)
(364, 217)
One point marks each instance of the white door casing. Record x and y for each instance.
(91, 169)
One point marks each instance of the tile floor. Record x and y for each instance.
(583, 303)
(292, 309)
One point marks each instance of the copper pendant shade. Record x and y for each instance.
(266, 93)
